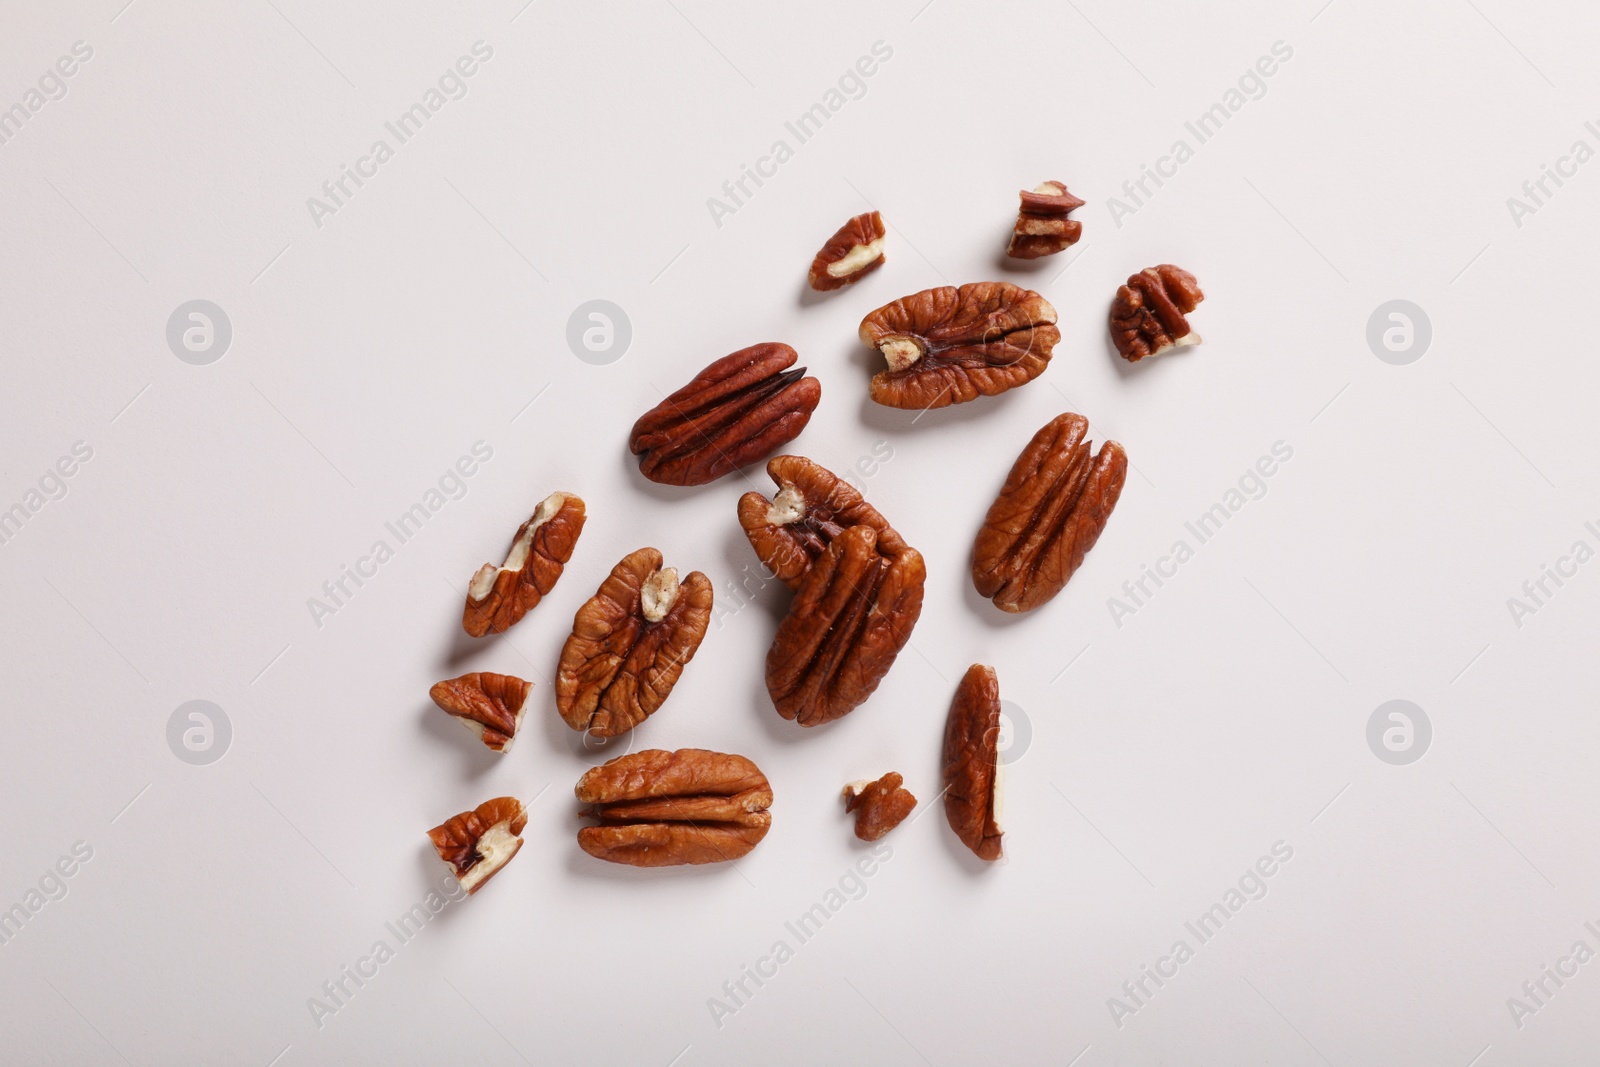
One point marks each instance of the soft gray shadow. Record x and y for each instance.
(462, 647)
(582, 865)
(982, 606)
(903, 420)
(970, 864)
(810, 297)
(475, 756)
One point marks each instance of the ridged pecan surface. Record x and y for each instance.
(499, 596)
(491, 705)
(879, 806)
(810, 508)
(478, 843)
(1043, 228)
(658, 808)
(852, 253)
(972, 767)
(1147, 314)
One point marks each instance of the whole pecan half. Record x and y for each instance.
(499, 596)
(477, 843)
(852, 253)
(734, 412)
(879, 806)
(490, 705)
(629, 644)
(1049, 514)
(973, 772)
(658, 808)
(1147, 314)
(1043, 228)
(948, 346)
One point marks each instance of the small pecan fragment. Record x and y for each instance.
(734, 412)
(973, 771)
(1049, 514)
(658, 808)
(477, 843)
(879, 806)
(499, 596)
(490, 705)
(851, 254)
(1043, 228)
(629, 644)
(1147, 314)
(948, 346)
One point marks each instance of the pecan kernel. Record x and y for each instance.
(1043, 228)
(853, 252)
(658, 809)
(973, 771)
(490, 705)
(1148, 313)
(498, 597)
(879, 806)
(478, 843)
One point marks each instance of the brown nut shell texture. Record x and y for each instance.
(659, 809)
(1049, 514)
(973, 772)
(853, 252)
(948, 346)
(734, 412)
(1147, 314)
(1043, 228)
(499, 596)
(629, 644)
(490, 705)
(478, 843)
(878, 806)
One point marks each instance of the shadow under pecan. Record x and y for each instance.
(658, 809)
(734, 412)
(973, 771)
(478, 843)
(490, 705)
(853, 252)
(879, 806)
(1049, 514)
(1147, 314)
(629, 644)
(499, 596)
(1043, 228)
(948, 346)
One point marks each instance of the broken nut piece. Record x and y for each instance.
(490, 705)
(477, 843)
(499, 596)
(1147, 314)
(973, 770)
(659, 809)
(851, 254)
(879, 806)
(1043, 228)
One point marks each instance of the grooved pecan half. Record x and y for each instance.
(477, 843)
(879, 806)
(499, 596)
(1147, 314)
(948, 346)
(973, 771)
(734, 412)
(1043, 228)
(629, 644)
(490, 705)
(658, 808)
(1049, 514)
(852, 253)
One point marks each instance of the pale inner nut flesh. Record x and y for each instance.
(494, 850)
(517, 558)
(658, 593)
(788, 507)
(856, 258)
(901, 352)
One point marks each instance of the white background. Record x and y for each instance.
(1167, 754)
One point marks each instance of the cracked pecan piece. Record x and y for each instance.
(879, 806)
(852, 253)
(973, 771)
(1147, 314)
(1043, 228)
(1049, 514)
(948, 346)
(658, 809)
(734, 412)
(478, 843)
(499, 596)
(490, 705)
(629, 644)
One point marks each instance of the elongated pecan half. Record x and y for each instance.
(499, 596)
(850, 618)
(852, 253)
(1049, 514)
(478, 843)
(734, 412)
(629, 644)
(658, 808)
(948, 346)
(1043, 228)
(1147, 314)
(811, 507)
(973, 771)
(879, 806)
(490, 705)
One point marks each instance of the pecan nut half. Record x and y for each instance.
(490, 705)
(1043, 228)
(879, 806)
(948, 346)
(629, 644)
(973, 771)
(477, 843)
(734, 412)
(852, 253)
(659, 809)
(1049, 514)
(1147, 314)
(499, 596)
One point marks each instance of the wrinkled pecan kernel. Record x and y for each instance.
(658, 808)
(734, 412)
(490, 705)
(948, 346)
(973, 771)
(879, 806)
(629, 644)
(499, 596)
(852, 253)
(1147, 314)
(477, 843)
(1049, 514)
(1043, 228)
